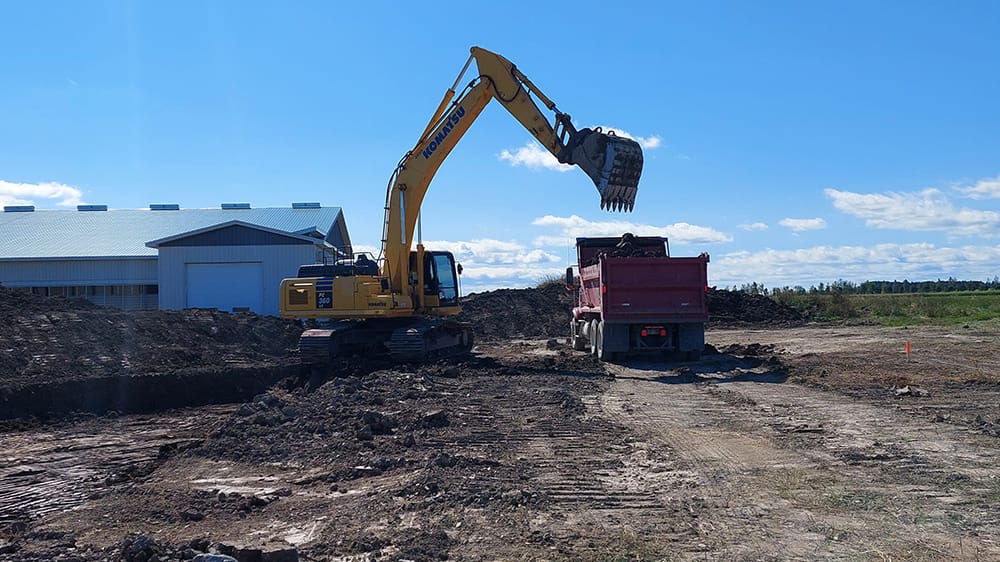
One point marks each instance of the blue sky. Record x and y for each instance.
(796, 142)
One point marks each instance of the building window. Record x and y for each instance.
(151, 289)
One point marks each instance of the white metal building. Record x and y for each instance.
(232, 258)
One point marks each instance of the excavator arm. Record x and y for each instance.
(614, 163)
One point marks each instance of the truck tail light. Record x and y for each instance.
(604, 289)
(653, 331)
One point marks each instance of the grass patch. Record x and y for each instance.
(631, 547)
(898, 309)
(994, 494)
(856, 500)
(549, 280)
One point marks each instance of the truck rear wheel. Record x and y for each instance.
(601, 353)
(592, 330)
(575, 339)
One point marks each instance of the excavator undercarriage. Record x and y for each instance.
(413, 339)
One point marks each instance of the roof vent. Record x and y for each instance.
(164, 207)
(91, 207)
(18, 208)
(305, 205)
(230, 206)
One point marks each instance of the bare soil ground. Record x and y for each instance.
(792, 441)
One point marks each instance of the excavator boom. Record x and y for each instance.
(613, 163)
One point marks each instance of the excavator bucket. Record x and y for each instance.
(613, 162)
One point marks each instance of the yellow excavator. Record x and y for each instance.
(403, 303)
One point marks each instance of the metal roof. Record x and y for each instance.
(298, 236)
(125, 232)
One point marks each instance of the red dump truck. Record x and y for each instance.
(633, 297)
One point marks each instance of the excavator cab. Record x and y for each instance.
(440, 278)
(614, 163)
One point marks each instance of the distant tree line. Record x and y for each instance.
(842, 287)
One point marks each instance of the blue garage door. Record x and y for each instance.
(225, 286)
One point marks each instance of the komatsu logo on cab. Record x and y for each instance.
(453, 120)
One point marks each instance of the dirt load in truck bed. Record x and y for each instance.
(807, 442)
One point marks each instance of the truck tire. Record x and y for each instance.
(601, 353)
(592, 330)
(575, 339)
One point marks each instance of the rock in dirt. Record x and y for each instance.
(911, 391)
(213, 558)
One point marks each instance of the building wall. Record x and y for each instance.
(277, 263)
(129, 283)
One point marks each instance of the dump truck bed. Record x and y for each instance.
(647, 289)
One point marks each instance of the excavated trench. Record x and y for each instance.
(139, 394)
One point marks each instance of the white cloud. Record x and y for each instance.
(574, 226)
(487, 252)
(924, 210)
(650, 142)
(822, 264)
(492, 264)
(497, 280)
(373, 250)
(534, 156)
(518, 276)
(27, 193)
(801, 225)
(489, 264)
(754, 226)
(983, 189)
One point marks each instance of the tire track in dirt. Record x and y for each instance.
(60, 469)
(817, 473)
(573, 464)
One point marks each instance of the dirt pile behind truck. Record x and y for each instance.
(544, 311)
(539, 312)
(737, 308)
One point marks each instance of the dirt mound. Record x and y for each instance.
(54, 339)
(535, 312)
(48, 339)
(545, 311)
(737, 308)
